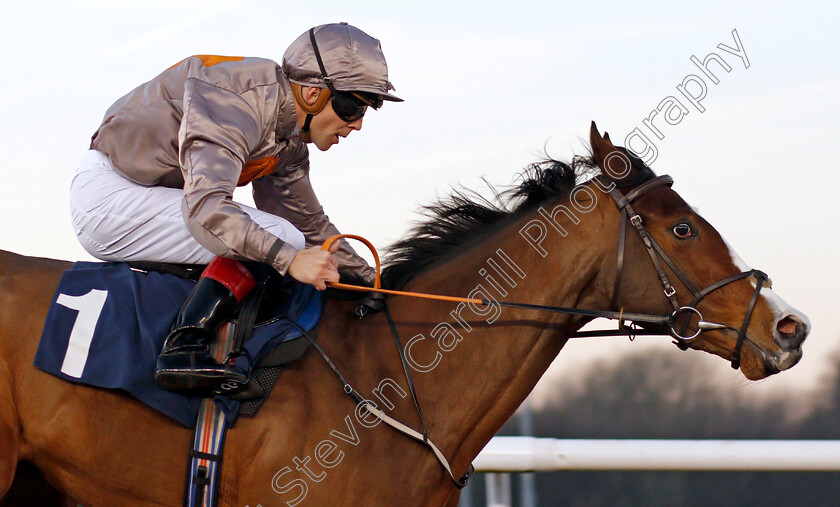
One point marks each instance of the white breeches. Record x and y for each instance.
(117, 219)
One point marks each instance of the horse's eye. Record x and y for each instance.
(682, 230)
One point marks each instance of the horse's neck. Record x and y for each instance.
(471, 388)
(471, 368)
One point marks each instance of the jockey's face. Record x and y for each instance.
(326, 127)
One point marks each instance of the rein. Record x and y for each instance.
(660, 325)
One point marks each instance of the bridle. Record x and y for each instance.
(651, 324)
(657, 256)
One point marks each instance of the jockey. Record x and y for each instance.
(157, 184)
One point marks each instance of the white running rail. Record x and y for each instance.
(526, 454)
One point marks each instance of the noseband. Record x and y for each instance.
(657, 256)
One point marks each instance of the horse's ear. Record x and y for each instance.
(610, 160)
(601, 146)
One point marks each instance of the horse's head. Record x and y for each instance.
(744, 320)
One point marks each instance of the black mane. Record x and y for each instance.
(464, 217)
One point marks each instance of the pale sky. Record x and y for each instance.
(487, 87)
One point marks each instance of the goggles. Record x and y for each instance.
(350, 106)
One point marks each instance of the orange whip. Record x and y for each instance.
(620, 316)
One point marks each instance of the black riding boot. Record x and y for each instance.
(185, 364)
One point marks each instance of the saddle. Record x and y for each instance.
(265, 305)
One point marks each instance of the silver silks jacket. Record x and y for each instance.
(209, 124)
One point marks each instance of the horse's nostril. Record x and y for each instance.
(787, 327)
(791, 331)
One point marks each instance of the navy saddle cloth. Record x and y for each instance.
(107, 324)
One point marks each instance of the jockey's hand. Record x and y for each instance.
(315, 266)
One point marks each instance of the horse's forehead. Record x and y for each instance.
(671, 206)
(672, 202)
(713, 240)
(667, 202)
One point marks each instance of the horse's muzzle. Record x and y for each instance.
(791, 330)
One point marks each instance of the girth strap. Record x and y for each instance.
(208, 443)
(206, 456)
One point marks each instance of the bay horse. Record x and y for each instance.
(552, 240)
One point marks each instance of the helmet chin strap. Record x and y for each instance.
(311, 110)
(305, 134)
